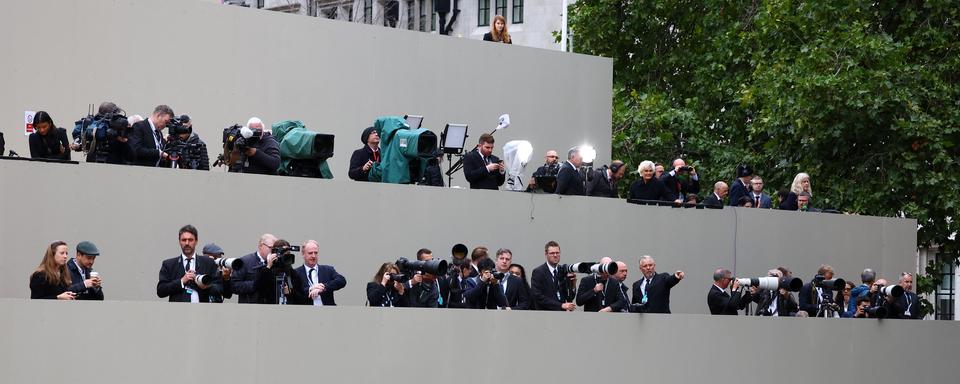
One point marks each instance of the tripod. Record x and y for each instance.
(826, 307)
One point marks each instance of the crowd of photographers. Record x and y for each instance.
(110, 136)
(474, 279)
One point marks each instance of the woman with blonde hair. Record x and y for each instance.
(498, 31)
(51, 279)
(801, 183)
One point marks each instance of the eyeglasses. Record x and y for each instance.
(551, 157)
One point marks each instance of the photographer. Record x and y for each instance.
(255, 282)
(486, 292)
(321, 280)
(386, 289)
(214, 252)
(774, 303)
(84, 281)
(652, 291)
(862, 304)
(590, 292)
(101, 140)
(146, 139)
(722, 302)
(880, 300)
(818, 301)
(182, 278)
(550, 168)
(550, 290)
(427, 290)
(263, 156)
(185, 149)
(681, 181)
(867, 278)
(460, 281)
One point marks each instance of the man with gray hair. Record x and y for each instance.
(146, 138)
(715, 199)
(652, 292)
(909, 302)
(254, 282)
(318, 282)
(569, 181)
(867, 277)
(722, 302)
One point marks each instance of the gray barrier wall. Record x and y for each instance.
(133, 214)
(112, 342)
(222, 65)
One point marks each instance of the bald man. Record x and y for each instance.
(616, 291)
(253, 283)
(681, 181)
(715, 199)
(551, 167)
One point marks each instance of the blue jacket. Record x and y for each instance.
(860, 290)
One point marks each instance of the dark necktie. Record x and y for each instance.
(310, 276)
(757, 204)
(186, 266)
(159, 140)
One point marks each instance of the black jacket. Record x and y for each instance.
(254, 283)
(658, 293)
(569, 181)
(713, 201)
(590, 300)
(40, 288)
(485, 296)
(380, 296)
(911, 300)
(737, 190)
(143, 145)
(722, 302)
(202, 163)
(76, 283)
(52, 146)
(171, 271)
(678, 189)
(429, 295)
(489, 37)
(809, 300)
(267, 159)
(547, 294)
(786, 306)
(475, 170)
(357, 161)
(649, 190)
(328, 276)
(518, 293)
(615, 292)
(600, 185)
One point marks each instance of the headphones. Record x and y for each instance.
(615, 167)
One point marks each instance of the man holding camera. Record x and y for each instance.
(188, 278)
(817, 300)
(84, 281)
(681, 181)
(482, 169)
(486, 292)
(321, 280)
(364, 158)
(777, 302)
(263, 157)
(550, 167)
(214, 252)
(591, 292)
(550, 291)
(722, 302)
(652, 292)
(426, 289)
(867, 277)
(569, 181)
(514, 290)
(184, 147)
(254, 283)
(146, 140)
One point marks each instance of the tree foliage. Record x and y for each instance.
(863, 96)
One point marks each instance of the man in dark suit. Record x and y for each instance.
(364, 158)
(909, 303)
(178, 275)
(482, 169)
(569, 181)
(146, 138)
(591, 291)
(321, 281)
(486, 292)
(739, 186)
(775, 302)
(715, 198)
(514, 290)
(84, 282)
(254, 283)
(652, 291)
(722, 302)
(757, 196)
(214, 252)
(615, 291)
(681, 181)
(550, 291)
(811, 296)
(604, 180)
(426, 290)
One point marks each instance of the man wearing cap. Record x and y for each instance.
(86, 287)
(214, 252)
(363, 159)
(740, 186)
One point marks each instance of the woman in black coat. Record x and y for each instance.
(648, 187)
(381, 292)
(48, 141)
(498, 31)
(51, 279)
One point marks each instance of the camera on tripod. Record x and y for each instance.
(285, 256)
(820, 281)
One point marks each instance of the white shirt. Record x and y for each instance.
(773, 304)
(313, 274)
(194, 296)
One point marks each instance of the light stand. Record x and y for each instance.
(453, 143)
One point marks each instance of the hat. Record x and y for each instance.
(366, 134)
(212, 249)
(87, 248)
(744, 170)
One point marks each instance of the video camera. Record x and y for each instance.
(285, 255)
(96, 134)
(303, 153)
(769, 283)
(236, 140)
(587, 267)
(820, 281)
(433, 267)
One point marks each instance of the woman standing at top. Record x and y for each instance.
(801, 183)
(498, 31)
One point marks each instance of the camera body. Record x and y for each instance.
(285, 256)
(97, 134)
(820, 281)
(685, 169)
(238, 138)
(399, 277)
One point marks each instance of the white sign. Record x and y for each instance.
(28, 121)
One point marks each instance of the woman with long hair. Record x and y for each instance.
(498, 31)
(801, 183)
(51, 279)
(383, 292)
(47, 141)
